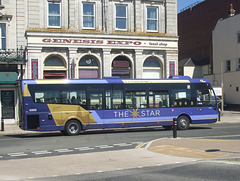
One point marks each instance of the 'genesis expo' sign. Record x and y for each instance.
(104, 42)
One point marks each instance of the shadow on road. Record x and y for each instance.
(102, 131)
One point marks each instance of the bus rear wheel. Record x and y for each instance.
(73, 127)
(183, 123)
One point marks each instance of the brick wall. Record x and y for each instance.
(195, 27)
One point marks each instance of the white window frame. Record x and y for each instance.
(60, 15)
(238, 64)
(228, 65)
(94, 15)
(126, 16)
(3, 38)
(152, 19)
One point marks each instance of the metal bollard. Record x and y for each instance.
(219, 114)
(174, 127)
(2, 124)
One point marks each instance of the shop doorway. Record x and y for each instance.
(7, 104)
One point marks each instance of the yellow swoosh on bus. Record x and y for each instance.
(62, 113)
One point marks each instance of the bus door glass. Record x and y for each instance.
(115, 106)
(205, 99)
(204, 96)
(95, 104)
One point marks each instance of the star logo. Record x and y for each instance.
(135, 113)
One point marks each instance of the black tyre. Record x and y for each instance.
(183, 123)
(73, 127)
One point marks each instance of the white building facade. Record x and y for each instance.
(100, 38)
(93, 38)
(12, 61)
(226, 59)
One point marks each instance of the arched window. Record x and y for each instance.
(152, 68)
(88, 67)
(54, 68)
(121, 67)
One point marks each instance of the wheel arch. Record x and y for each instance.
(73, 118)
(184, 114)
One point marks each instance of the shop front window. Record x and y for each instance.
(54, 68)
(152, 68)
(88, 68)
(121, 67)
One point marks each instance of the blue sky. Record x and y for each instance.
(184, 3)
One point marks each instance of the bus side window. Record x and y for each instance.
(96, 100)
(158, 99)
(136, 99)
(181, 98)
(114, 99)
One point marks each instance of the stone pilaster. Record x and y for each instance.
(72, 63)
(106, 63)
(139, 64)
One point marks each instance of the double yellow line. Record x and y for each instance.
(141, 145)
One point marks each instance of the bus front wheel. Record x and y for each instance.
(73, 127)
(183, 123)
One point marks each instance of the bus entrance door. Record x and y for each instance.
(95, 104)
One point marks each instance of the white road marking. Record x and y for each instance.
(41, 152)
(63, 150)
(136, 143)
(122, 144)
(44, 152)
(104, 146)
(84, 148)
(17, 154)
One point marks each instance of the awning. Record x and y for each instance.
(8, 77)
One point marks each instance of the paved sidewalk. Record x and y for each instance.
(196, 148)
(76, 164)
